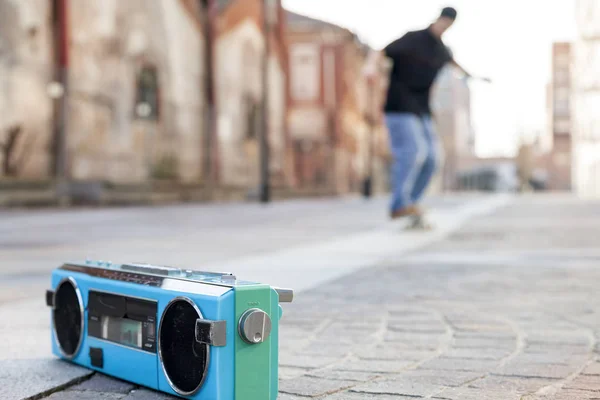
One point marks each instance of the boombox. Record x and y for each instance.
(193, 334)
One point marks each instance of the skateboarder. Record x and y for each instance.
(416, 59)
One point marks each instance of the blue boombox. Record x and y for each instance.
(193, 334)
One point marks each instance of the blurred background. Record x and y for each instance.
(144, 101)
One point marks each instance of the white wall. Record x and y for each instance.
(586, 101)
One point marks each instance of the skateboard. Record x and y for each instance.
(418, 222)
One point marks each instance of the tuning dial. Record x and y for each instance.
(255, 326)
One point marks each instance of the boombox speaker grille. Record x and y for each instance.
(183, 359)
(68, 317)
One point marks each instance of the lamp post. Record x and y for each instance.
(270, 8)
(368, 181)
(58, 90)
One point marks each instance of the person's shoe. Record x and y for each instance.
(404, 212)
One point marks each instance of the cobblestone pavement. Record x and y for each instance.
(506, 308)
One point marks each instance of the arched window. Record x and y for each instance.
(147, 101)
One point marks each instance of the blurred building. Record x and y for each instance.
(558, 159)
(586, 100)
(26, 68)
(156, 89)
(135, 94)
(333, 137)
(451, 105)
(240, 49)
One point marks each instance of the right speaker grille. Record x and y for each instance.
(183, 359)
(68, 319)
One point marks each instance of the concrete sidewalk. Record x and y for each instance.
(506, 307)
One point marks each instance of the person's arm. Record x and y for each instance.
(460, 68)
(465, 72)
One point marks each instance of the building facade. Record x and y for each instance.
(156, 90)
(135, 93)
(334, 117)
(26, 108)
(586, 100)
(451, 105)
(559, 159)
(240, 87)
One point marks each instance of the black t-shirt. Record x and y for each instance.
(417, 58)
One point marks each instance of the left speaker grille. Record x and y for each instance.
(68, 318)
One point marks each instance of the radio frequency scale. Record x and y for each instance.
(194, 334)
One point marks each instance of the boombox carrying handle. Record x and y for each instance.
(213, 333)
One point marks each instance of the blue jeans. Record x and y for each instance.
(414, 148)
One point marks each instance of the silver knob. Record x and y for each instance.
(255, 326)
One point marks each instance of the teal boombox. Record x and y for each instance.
(193, 334)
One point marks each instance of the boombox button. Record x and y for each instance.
(96, 357)
(255, 326)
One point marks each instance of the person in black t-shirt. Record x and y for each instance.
(417, 57)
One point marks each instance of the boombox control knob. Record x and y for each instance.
(255, 326)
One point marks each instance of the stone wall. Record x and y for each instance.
(112, 43)
(239, 77)
(25, 72)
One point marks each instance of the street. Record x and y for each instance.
(500, 302)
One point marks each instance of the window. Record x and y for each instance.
(147, 94)
(561, 76)
(562, 126)
(562, 60)
(305, 72)
(562, 101)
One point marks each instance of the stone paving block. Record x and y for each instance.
(493, 336)
(461, 364)
(25, 378)
(343, 375)
(590, 383)
(536, 370)
(415, 339)
(291, 372)
(478, 354)
(365, 396)
(570, 394)
(548, 348)
(308, 386)
(146, 394)
(303, 361)
(441, 377)
(75, 395)
(474, 394)
(384, 353)
(285, 396)
(592, 369)
(332, 350)
(511, 384)
(400, 386)
(103, 383)
(504, 343)
(376, 366)
(418, 329)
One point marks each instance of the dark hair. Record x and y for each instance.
(449, 12)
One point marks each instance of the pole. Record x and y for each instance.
(208, 10)
(368, 182)
(265, 195)
(62, 62)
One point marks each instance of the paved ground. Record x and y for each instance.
(504, 308)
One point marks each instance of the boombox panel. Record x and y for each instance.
(143, 368)
(251, 359)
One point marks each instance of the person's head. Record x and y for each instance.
(444, 21)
